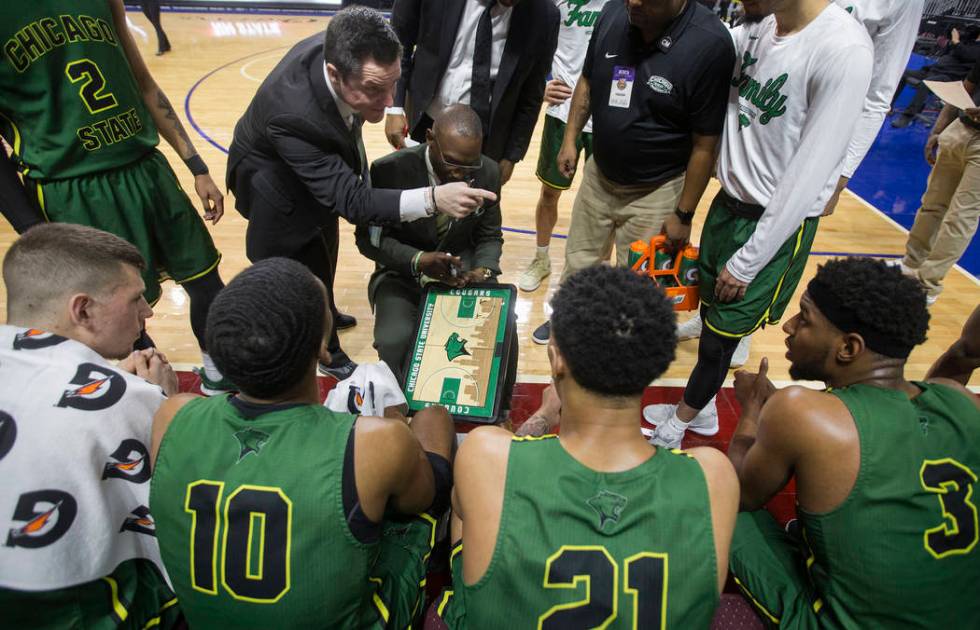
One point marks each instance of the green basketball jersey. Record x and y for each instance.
(583, 549)
(250, 519)
(901, 551)
(69, 103)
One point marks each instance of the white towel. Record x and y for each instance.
(367, 392)
(74, 460)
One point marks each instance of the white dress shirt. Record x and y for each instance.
(455, 84)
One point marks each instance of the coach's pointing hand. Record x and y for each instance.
(458, 200)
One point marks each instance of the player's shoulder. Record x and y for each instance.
(486, 449)
(839, 28)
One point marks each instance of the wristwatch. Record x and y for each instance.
(487, 274)
(685, 217)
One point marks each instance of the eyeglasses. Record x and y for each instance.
(466, 168)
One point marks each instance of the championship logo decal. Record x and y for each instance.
(130, 461)
(45, 516)
(96, 387)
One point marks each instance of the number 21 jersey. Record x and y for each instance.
(69, 103)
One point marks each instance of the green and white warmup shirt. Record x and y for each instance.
(792, 110)
(893, 26)
(578, 18)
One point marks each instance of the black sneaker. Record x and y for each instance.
(345, 321)
(542, 334)
(340, 367)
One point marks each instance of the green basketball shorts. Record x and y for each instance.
(399, 572)
(769, 566)
(551, 139)
(143, 203)
(768, 295)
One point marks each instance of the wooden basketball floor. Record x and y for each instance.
(217, 63)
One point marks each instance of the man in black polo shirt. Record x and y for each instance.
(655, 82)
(947, 220)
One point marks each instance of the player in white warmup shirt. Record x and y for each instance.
(578, 17)
(893, 26)
(802, 72)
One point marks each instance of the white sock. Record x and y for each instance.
(677, 423)
(542, 252)
(210, 369)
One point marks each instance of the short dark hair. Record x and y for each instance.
(53, 260)
(459, 118)
(265, 328)
(357, 34)
(615, 328)
(880, 296)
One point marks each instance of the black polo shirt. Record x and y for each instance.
(680, 86)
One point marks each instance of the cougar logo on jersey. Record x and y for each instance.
(132, 462)
(140, 521)
(98, 387)
(251, 441)
(46, 516)
(8, 433)
(34, 339)
(608, 505)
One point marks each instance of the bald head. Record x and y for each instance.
(53, 261)
(458, 120)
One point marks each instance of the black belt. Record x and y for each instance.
(750, 211)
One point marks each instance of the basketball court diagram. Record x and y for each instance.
(456, 360)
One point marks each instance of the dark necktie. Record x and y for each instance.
(361, 153)
(480, 86)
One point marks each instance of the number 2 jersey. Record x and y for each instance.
(584, 549)
(901, 551)
(69, 103)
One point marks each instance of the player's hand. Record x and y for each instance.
(458, 200)
(556, 92)
(930, 151)
(678, 234)
(567, 159)
(728, 288)
(753, 390)
(506, 170)
(396, 128)
(973, 113)
(546, 418)
(211, 197)
(153, 367)
(474, 275)
(835, 198)
(439, 266)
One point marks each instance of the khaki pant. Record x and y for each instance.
(605, 212)
(947, 220)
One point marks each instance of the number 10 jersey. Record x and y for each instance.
(69, 103)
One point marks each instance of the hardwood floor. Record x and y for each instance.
(217, 62)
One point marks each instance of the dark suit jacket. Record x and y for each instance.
(293, 164)
(477, 239)
(427, 30)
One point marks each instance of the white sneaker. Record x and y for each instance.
(538, 270)
(741, 354)
(905, 269)
(705, 423)
(691, 329)
(668, 435)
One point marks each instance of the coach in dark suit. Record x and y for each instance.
(297, 160)
(435, 249)
(491, 54)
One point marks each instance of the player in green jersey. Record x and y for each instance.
(885, 468)
(82, 113)
(273, 511)
(595, 528)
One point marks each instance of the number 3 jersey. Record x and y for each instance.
(69, 103)
(584, 549)
(901, 551)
